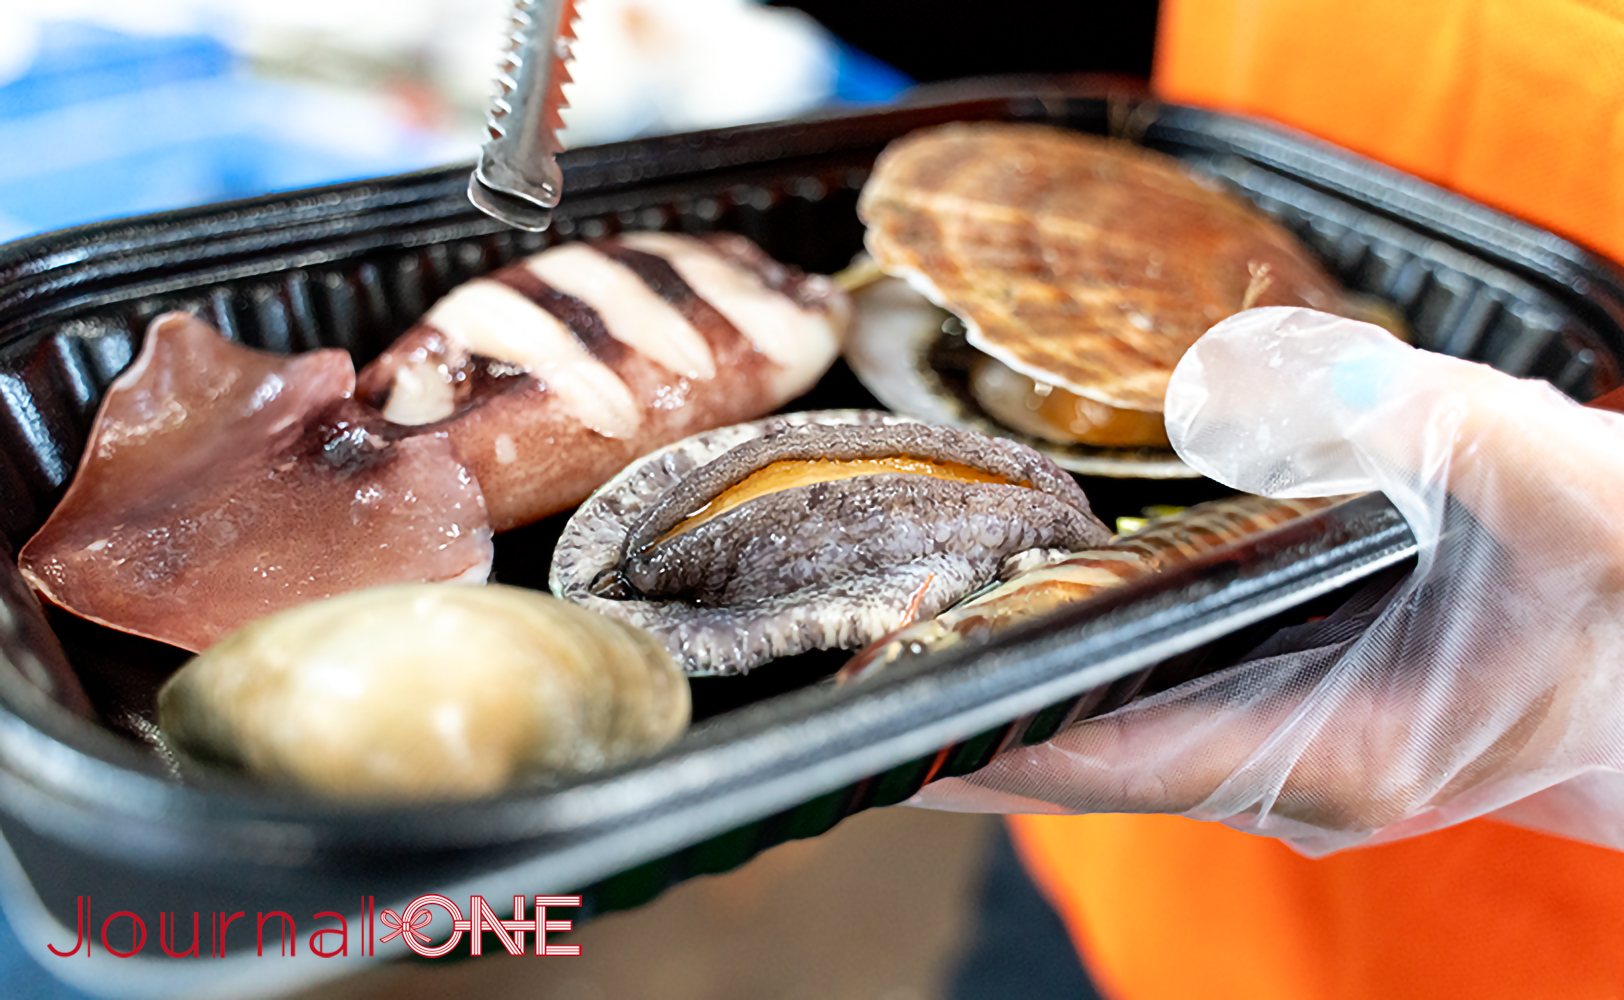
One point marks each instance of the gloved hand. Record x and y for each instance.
(1492, 680)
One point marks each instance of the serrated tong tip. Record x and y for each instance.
(518, 180)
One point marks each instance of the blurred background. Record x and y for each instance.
(113, 109)
(116, 109)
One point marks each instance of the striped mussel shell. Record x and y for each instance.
(1040, 583)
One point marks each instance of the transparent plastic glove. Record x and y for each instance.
(1492, 680)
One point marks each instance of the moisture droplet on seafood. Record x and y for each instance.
(810, 531)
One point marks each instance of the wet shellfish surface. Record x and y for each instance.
(426, 691)
(1081, 270)
(901, 349)
(830, 562)
(1087, 264)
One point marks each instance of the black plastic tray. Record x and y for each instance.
(86, 810)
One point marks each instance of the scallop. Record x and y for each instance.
(810, 531)
(914, 357)
(1078, 270)
(429, 691)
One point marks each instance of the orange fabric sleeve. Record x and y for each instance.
(1163, 908)
(1517, 103)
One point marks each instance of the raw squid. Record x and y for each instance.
(221, 484)
(554, 373)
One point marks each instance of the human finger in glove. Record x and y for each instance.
(1491, 681)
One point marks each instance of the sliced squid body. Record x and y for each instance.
(554, 373)
(221, 484)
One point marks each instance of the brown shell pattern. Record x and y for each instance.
(1041, 583)
(1085, 263)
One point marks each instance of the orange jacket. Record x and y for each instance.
(1520, 104)
(1163, 907)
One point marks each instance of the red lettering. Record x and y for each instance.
(138, 934)
(166, 943)
(482, 918)
(342, 930)
(290, 934)
(519, 924)
(225, 922)
(409, 925)
(79, 908)
(543, 925)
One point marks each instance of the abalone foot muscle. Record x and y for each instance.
(810, 531)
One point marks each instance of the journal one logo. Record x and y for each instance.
(124, 934)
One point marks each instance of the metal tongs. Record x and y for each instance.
(517, 179)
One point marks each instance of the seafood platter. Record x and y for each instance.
(798, 458)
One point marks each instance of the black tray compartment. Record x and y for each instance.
(85, 808)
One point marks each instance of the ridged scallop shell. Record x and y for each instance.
(912, 355)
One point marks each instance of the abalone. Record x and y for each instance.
(810, 531)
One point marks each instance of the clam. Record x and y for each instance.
(427, 691)
(810, 531)
(1049, 282)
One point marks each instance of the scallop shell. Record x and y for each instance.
(1085, 263)
(827, 565)
(912, 355)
